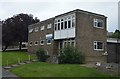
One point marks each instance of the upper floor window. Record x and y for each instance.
(98, 45)
(98, 23)
(36, 43)
(30, 43)
(42, 27)
(49, 38)
(49, 26)
(65, 22)
(30, 30)
(36, 29)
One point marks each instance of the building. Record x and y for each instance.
(113, 49)
(81, 29)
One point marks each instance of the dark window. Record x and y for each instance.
(55, 26)
(99, 24)
(58, 26)
(99, 45)
(69, 24)
(49, 41)
(42, 42)
(61, 25)
(65, 24)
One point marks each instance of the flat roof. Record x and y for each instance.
(113, 40)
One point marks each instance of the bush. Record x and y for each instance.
(71, 55)
(42, 55)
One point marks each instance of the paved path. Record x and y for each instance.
(8, 75)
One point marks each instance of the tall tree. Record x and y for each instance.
(17, 29)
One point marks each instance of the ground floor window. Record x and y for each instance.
(30, 43)
(36, 43)
(49, 41)
(98, 45)
(42, 42)
(70, 42)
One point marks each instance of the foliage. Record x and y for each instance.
(71, 55)
(42, 69)
(15, 29)
(42, 55)
(116, 34)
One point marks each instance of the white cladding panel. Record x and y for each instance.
(71, 32)
(66, 33)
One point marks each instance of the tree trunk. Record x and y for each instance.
(20, 45)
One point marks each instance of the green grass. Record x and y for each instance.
(0, 58)
(12, 57)
(40, 69)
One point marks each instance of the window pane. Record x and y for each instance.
(73, 23)
(55, 26)
(65, 24)
(61, 25)
(58, 26)
(99, 45)
(69, 24)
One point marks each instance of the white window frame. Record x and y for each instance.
(96, 21)
(49, 26)
(41, 43)
(30, 30)
(95, 44)
(49, 39)
(36, 29)
(70, 18)
(35, 43)
(30, 44)
(42, 27)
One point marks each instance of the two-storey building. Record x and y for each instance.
(81, 29)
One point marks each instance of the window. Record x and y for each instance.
(70, 42)
(55, 26)
(30, 43)
(36, 43)
(98, 23)
(73, 22)
(30, 30)
(49, 41)
(65, 24)
(62, 25)
(42, 42)
(49, 26)
(98, 45)
(69, 24)
(36, 29)
(42, 27)
(58, 26)
(49, 38)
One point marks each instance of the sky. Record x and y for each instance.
(44, 9)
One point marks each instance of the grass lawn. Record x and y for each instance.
(0, 58)
(40, 69)
(12, 57)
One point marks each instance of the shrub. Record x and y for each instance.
(42, 55)
(71, 55)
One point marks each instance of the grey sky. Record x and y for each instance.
(47, 9)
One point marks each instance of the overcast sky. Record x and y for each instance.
(45, 9)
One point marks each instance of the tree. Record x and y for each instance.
(116, 34)
(17, 29)
(71, 55)
(7, 37)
